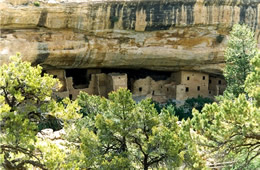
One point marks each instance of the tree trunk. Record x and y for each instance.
(145, 163)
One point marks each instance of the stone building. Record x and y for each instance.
(117, 80)
(179, 85)
(191, 84)
(159, 91)
(98, 83)
(217, 86)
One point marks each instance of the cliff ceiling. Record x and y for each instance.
(151, 34)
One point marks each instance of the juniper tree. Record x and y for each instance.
(128, 135)
(25, 97)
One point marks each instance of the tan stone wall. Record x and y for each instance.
(73, 93)
(180, 92)
(217, 85)
(102, 84)
(158, 87)
(69, 82)
(99, 84)
(159, 91)
(142, 86)
(171, 90)
(194, 78)
(93, 84)
(118, 81)
(195, 84)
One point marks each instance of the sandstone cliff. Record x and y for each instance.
(153, 34)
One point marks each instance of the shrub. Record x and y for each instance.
(36, 3)
(184, 111)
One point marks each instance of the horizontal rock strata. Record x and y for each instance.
(156, 34)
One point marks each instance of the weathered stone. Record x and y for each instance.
(47, 132)
(54, 138)
(159, 35)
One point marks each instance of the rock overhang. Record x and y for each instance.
(158, 35)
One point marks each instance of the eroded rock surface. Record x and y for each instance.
(50, 134)
(160, 35)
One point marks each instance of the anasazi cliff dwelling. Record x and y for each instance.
(160, 86)
(77, 39)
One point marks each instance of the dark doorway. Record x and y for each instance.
(79, 77)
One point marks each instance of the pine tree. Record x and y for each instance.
(241, 49)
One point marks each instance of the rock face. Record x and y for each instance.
(151, 34)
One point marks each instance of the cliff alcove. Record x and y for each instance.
(156, 35)
(158, 85)
(173, 36)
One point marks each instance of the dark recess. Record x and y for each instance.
(141, 73)
(219, 38)
(79, 76)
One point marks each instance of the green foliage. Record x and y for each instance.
(184, 111)
(197, 103)
(230, 130)
(89, 104)
(25, 98)
(252, 82)
(50, 122)
(36, 3)
(127, 135)
(241, 49)
(51, 155)
(117, 133)
(23, 93)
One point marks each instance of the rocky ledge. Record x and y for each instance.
(150, 34)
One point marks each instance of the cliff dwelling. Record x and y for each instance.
(160, 86)
(159, 35)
